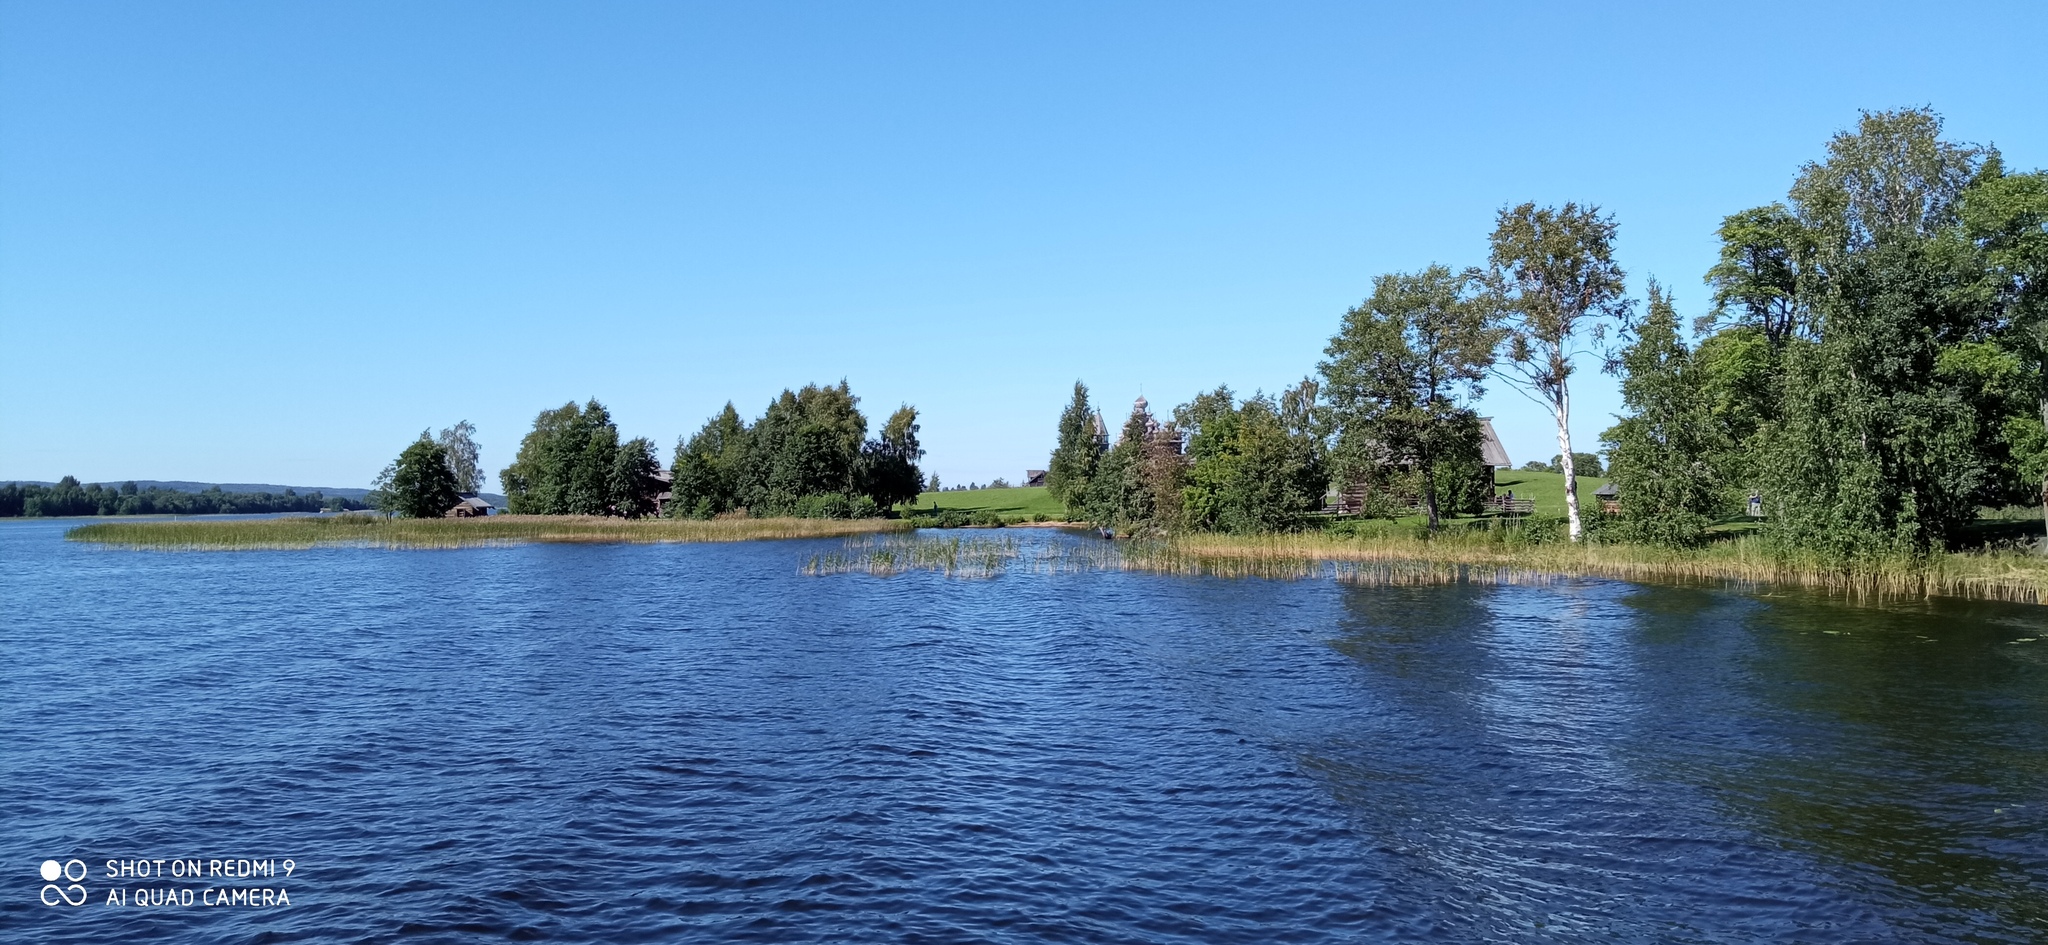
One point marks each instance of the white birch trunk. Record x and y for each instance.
(2044, 483)
(1564, 459)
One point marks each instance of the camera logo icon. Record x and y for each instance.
(69, 872)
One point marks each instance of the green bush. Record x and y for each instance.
(1361, 528)
(823, 505)
(986, 518)
(1541, 530)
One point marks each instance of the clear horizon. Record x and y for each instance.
(264, 244)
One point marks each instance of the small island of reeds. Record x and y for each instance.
(368, 531)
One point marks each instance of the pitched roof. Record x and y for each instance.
(1490, 450)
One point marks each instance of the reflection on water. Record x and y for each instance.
(631, 743)
(1698, 763)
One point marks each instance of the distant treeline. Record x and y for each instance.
(68, 497)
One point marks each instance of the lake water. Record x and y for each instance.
(696, 743)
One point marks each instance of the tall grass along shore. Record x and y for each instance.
(376, 532)
(1448, 558)
(1992, 575)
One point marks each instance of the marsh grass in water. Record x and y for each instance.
(376, 532)
(1451, 558)
(964, 556)
(1495, 557)
(975, 557)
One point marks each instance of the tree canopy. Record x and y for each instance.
(459, 444)
(807, 455)
(419, 483)
(1079, 452)
(572, 463)
(1400, 376)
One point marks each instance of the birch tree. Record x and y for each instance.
(459, 442)
(1553, 287)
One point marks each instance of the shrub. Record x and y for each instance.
(1545, 530)
(835, 505)
(1360, 528)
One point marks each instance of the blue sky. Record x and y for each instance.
(271, 242)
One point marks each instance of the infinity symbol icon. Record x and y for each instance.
(54, 872)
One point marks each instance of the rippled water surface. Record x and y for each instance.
(696, 743)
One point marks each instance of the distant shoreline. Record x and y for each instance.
(299, 532)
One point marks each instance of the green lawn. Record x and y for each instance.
(1548, 490)
(1025, 501)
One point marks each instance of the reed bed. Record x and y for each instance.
(958, 556)
(1482, 558)
(1493, 558)
(365, 531)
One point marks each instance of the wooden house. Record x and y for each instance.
(471, 506)
(661, 499)
(1610, 498)
(1491, 453)
(1034, 477)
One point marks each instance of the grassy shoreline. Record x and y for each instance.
(376, 532)
(2005, 576)
(1476, 556)
(1445, 559)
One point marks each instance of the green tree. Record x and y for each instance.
(807, 455)
(710, 468)
(1587, 464)
(1120, 493)
(1765, 254)
(889, 473)
(807, 443)
(1663, 450)
(2006, 218)
(633, 483)
(572, 463)
(1400, 375)
(459, 442)
(1738, 371)
(1873, 450)
(419, 483)
(1553, 285)
(1079, 452)
(1250, 467)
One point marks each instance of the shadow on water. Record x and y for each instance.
(1908, 741)
(1690, 764)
